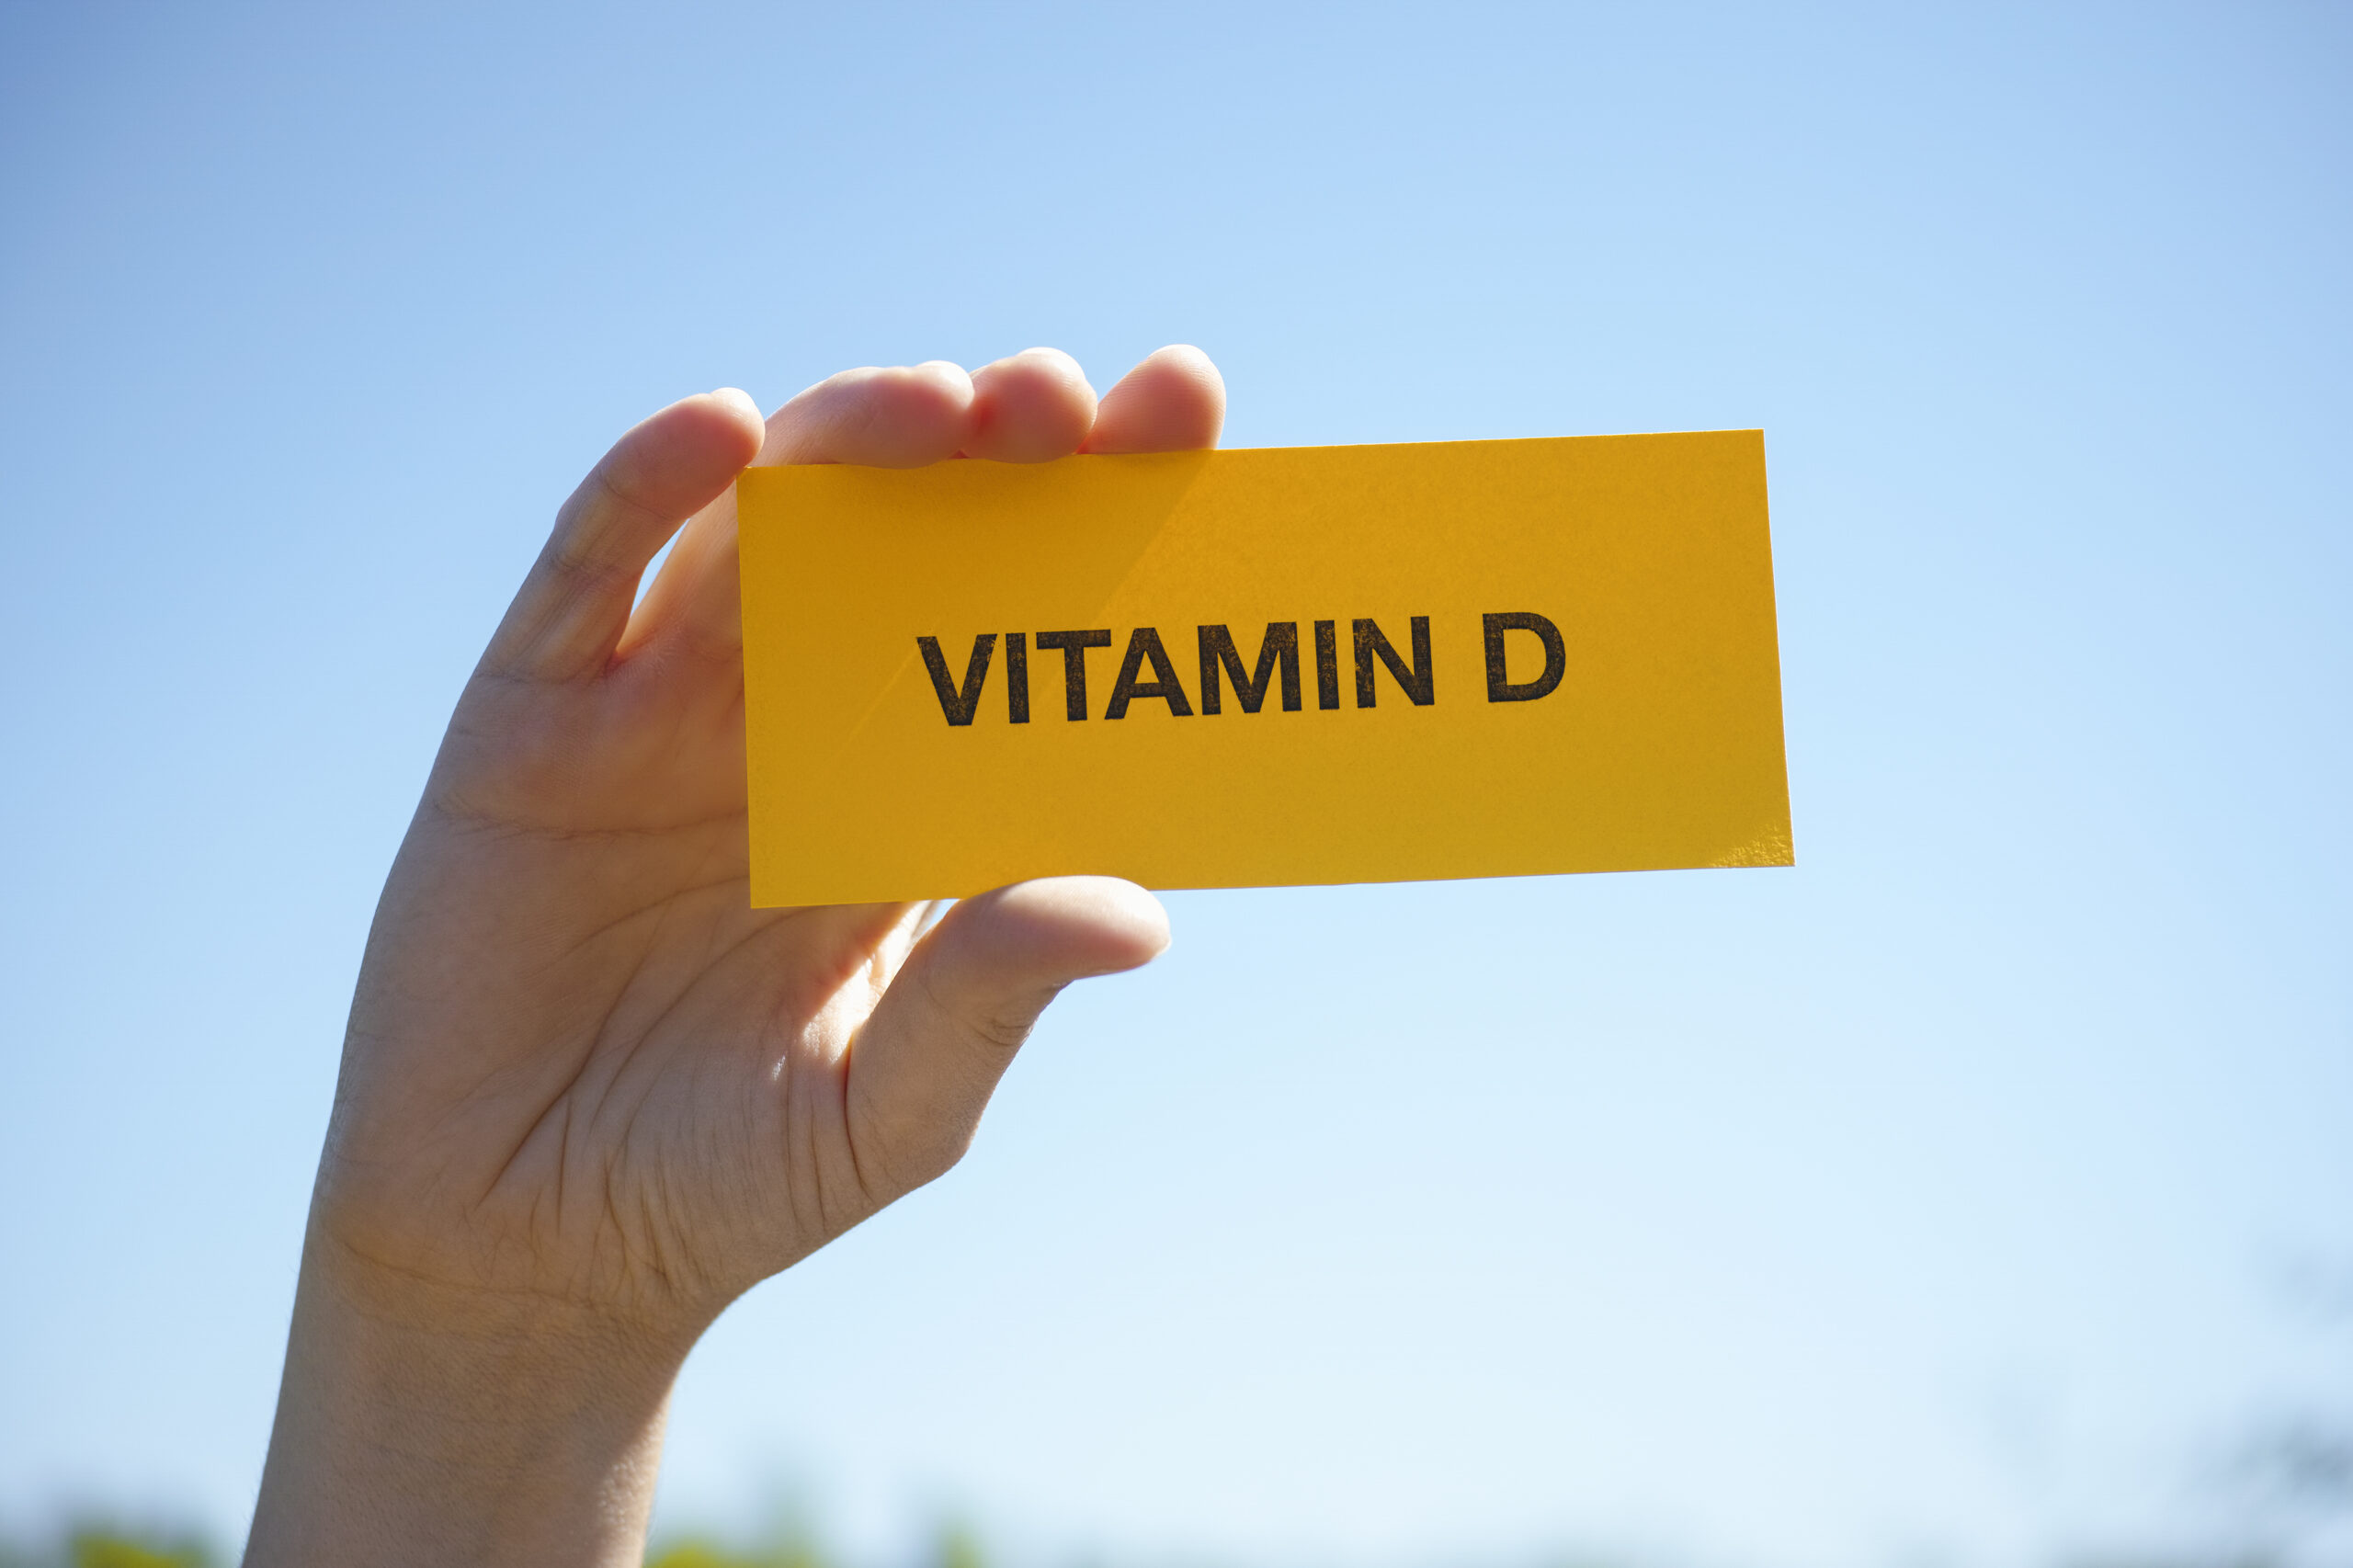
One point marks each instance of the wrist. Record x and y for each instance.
(420, 1421)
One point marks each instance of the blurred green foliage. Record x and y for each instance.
(93, 1546)
(956, 1547)
(88, 1546)
(698, 1552)
(106, 1551)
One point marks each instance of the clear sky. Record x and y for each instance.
(1970, 1193)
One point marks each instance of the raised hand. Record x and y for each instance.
(589, 1095)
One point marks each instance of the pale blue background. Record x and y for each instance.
(1966, 1195)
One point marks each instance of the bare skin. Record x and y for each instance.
(589, 1096)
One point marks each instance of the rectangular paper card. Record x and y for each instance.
(1260, 667)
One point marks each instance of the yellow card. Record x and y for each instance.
(1259, 668)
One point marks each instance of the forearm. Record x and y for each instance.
(417, 1424)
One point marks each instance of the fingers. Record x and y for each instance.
(1031, 407)
(924, 1066)
(1172, 402)
(570, 612)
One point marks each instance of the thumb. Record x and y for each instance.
(929, 1056)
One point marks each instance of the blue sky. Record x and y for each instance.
(1966, 1194)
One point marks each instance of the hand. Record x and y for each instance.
(589, 1096)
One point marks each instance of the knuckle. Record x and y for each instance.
(591, 530)
(1001, 1031)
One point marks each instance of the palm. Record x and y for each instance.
(580, 1063)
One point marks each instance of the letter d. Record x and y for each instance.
(1500, 689)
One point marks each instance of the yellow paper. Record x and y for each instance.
(883, 770)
